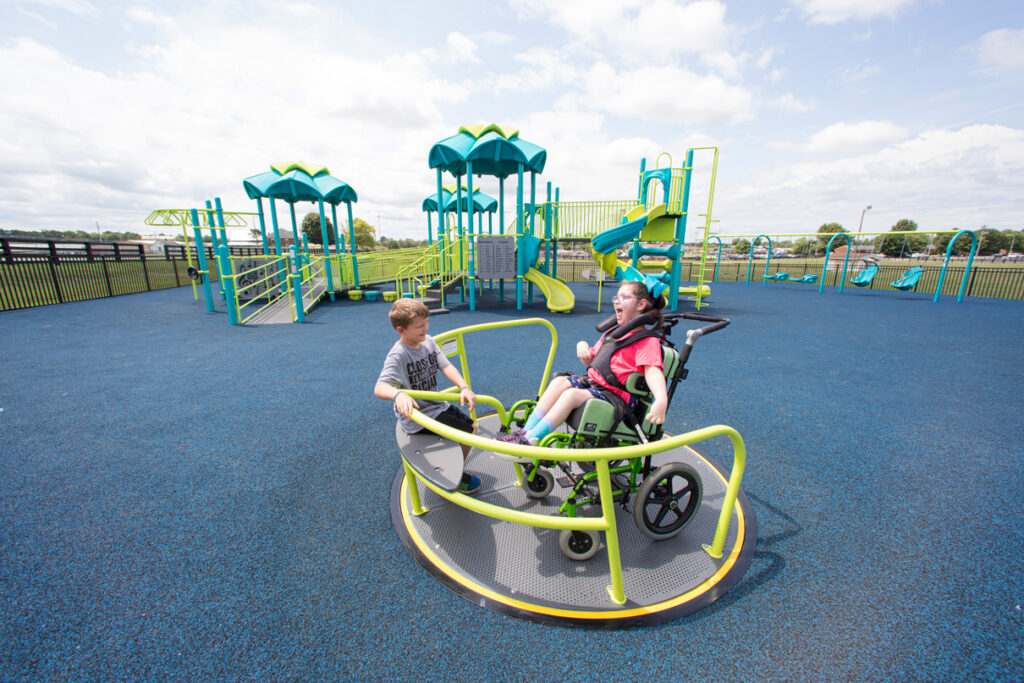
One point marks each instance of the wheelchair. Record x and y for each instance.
(662, 500)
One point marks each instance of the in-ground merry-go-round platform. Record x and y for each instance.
(520, 570)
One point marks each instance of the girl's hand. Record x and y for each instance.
(404, 404)
(583, 353)
(656, 415)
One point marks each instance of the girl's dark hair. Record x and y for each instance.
(654, 303)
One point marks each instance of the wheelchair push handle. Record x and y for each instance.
(717, 323)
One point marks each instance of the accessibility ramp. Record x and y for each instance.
(560, 298)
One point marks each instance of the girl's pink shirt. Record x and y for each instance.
(626, 361)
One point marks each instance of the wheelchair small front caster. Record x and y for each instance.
(543, 482)
(579, 545)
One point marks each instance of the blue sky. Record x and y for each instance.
(819, 107)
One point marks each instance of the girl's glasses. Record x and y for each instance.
(619, 298)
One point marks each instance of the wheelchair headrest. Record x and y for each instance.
(639, 321)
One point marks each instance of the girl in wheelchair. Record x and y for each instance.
(635, 348)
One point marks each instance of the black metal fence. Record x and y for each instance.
(41, 272)
(996, 282)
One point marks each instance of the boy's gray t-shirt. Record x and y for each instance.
(409, 368)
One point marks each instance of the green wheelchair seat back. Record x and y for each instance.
(596, 418)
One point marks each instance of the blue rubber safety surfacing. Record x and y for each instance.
(520, 570)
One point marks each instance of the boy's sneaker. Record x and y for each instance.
(470, 484)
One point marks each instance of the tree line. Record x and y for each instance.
(990, 241)
(366, 235)
(70, 235)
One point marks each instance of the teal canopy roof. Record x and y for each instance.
(293, 182)
(493, 150)
(481, 202)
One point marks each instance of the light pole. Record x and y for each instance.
(866, 209)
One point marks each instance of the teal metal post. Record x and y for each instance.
(220, 220)
(533, 231)
(677, 264)
(263, 226)
(325, 236)
(640, 189)
(547, 230)
(554, 235)
(295, 277)
(824, 268)
(339, 236)
(277, 232)
(750, 261)
(442, 231)
(470, 250)
(223, 240)
(519, 233)
(295, 227)
(210, 221)
(718, 261)
(204, 271)
(228, 278)
(352, 243)
(945, 264)
(501, 230)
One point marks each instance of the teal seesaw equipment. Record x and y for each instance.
(515, 547)
(808, 279)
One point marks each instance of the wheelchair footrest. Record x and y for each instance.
(564, 482)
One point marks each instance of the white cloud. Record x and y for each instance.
(667, 94)
(1002, 50)
(839, 11)
(790, 103)
(642, 29)
(203, 116)
(855, 138)
(82, 8)
(37, 17)
(461, 48)
(941, 178)
(855, 73)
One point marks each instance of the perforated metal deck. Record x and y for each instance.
(519, 570)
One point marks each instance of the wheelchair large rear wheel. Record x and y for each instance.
(666, 500)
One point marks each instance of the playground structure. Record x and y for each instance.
(657, 216)
(259, 288)
(436, 523)
(660, 222)
(908, 281)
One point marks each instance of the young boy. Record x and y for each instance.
(413, 363)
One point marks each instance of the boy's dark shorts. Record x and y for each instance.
(454, 418)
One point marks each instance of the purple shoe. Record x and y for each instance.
(515, 436)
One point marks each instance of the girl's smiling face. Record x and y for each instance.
(627, 304)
